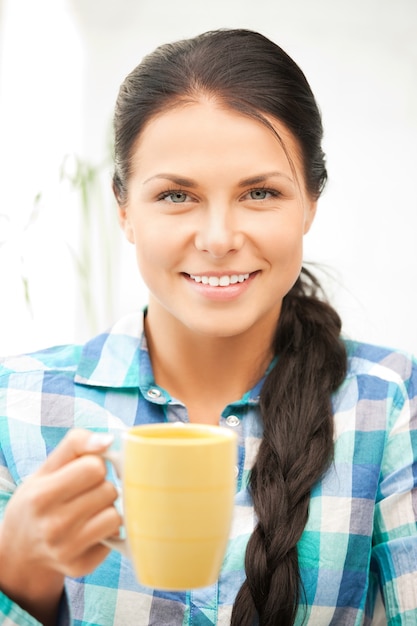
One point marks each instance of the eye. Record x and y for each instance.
(258, 194)
(261, 193)
(176, 197)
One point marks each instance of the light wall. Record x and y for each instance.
(59, 81)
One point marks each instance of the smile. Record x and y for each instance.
(220, 281)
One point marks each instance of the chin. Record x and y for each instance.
(219, 330)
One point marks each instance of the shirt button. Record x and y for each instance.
(236, 471)
(154, 393)
(232, 420)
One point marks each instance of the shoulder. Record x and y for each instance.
(377, 397)
(105, 360)
(380, 362)
(379, 377)
(57, 359)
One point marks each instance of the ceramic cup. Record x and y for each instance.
(178, 486)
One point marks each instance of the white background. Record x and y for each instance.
(61, 63)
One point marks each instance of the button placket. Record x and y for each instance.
(233, 422)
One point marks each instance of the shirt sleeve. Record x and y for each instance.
(10, 612)
(394, 554)
(13, 615)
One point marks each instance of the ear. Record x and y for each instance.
(125, 223)
(123, 216)
(309, 214)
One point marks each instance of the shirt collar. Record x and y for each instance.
(112, 359)
(119, 358)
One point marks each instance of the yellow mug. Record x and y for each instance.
(178, 487)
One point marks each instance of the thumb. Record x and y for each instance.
(76, 443)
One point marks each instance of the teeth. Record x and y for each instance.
(220, 281)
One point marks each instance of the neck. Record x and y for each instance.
(206, 372)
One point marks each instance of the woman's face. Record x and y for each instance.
(217, 215)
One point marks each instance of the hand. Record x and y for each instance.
(66, 508)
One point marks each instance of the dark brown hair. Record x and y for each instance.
(245, 71)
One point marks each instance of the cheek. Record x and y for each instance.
(284, 244)
(155, 247)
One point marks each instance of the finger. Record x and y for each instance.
(67, 483)
(85, 563)
(76, 443)
(71, 546)
(71, 519)
(101, 526)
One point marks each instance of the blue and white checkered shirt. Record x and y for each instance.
(361, 534)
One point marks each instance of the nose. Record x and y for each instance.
(219, 233)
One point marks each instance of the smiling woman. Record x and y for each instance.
(218, 172)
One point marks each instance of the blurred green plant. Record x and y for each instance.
(94, 256)
(6, 236)
(95, 246)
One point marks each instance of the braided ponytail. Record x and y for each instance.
(296, 449)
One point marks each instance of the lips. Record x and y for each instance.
(220, 281)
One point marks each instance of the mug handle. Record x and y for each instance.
(118, 544)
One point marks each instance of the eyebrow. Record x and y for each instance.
(261, 178)
(189, 182)
(181, 181)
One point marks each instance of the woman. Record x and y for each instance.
(218, 169)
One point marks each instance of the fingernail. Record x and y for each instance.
(98, 441)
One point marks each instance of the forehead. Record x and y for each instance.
(190, 133)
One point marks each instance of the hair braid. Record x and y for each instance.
(296, 449)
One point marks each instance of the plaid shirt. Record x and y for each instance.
(361, 535)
